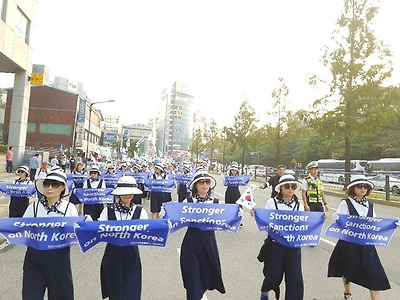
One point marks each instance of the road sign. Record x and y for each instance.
(37, 79)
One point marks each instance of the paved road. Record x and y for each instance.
(241, 271)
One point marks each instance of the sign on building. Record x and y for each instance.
(39, 75)
(80, 134)
(81, 111)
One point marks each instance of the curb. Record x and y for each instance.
(373, 200)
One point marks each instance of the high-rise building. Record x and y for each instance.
(175, 121)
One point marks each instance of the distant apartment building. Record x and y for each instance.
(175, 121)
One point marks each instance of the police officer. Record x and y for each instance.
(313, 191)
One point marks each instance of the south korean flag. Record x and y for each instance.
(247, 199)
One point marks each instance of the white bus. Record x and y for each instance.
(389, 166)
(332, 170)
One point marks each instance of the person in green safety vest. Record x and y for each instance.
(313, 191)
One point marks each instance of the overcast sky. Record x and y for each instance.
(224, 50)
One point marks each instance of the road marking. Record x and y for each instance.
(328, 242)
(4, 245)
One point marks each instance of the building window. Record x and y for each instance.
(22, 26)
(31, 127)
(55, 128)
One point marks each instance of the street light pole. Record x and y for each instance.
(90, 122)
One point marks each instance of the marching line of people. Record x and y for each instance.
(200, 264)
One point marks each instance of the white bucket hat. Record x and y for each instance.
(234, 166)
(110, 166)
(24, 169)
(55, 175)
(95, 169)
(159, 166)
(202, 175)
(126, 185)
(287, 179)
(360, 179)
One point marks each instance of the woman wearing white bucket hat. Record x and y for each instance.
(279, 259)
(94, 182)
(121, 269)
(158, 198)
(200, 263)
(348, 260)
(232, 193)
(49, 269)
(18, 205)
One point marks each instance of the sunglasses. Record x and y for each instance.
(290, 186)
(54, 183)
(362, 186)
(20, 171)
(204, 181)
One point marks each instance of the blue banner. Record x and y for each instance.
(111, 179)
(94, 196)
(183, 179)
(17, 190)
(204, 216)
(170, 174)
(40, 233)
(159, 185)
(291, 228)
(70, 185)
(124, 173)
(236, 180)
(110, 137)
(363, 230)
(140, 176)
(77, 178)
(123, 233)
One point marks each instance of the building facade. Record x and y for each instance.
(175, 121)
(52, 122)
(16, 36)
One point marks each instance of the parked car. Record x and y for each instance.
(379, 181)
(256, 170)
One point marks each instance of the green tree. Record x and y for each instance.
(359, 64)
(243, 127)
(197, 146)
(210, 137)
(279, 95)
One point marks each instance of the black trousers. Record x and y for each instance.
(32, 175)
(49, 269)
(9, 166)
(316, 206)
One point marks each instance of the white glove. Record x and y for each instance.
(335, 217)
(240, 213)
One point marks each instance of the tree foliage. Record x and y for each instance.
(357, 118)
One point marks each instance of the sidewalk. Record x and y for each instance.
(4, 201)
